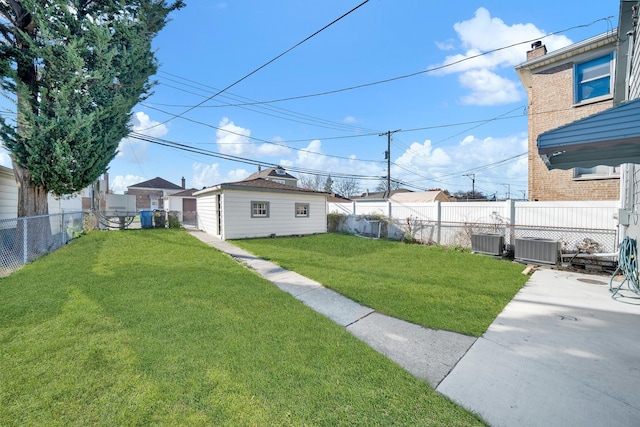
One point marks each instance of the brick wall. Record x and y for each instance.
(550, 106)
(143, 198)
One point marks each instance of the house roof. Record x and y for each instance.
(185, 193)
(420, 197)
(378, 195)
(271, 173)
(610, 137)
(157, 183)
(259, 184)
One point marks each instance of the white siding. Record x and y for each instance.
(207, 214)
(8, 194)
(237, 222)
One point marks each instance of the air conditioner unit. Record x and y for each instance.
(489, 244)
(537, 251)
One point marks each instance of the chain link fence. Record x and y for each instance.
(572, 239)
(23, 240)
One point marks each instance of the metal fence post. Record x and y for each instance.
(25, 241)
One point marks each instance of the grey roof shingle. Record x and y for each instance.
(157, 183)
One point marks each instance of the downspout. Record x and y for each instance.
(626, 170)
(627, 77)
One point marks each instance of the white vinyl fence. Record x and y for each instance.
(574, 224)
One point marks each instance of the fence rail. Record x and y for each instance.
(23, 240)
(575, 224)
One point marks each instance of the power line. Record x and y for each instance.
(254, 138)
(417, 73)
(265, 64)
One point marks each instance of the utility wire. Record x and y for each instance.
(428, 70)
(265, 64)
(256, 139)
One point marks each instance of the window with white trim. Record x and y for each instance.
(302, 210)
(596, 172)
(593, 78)
(259, 209)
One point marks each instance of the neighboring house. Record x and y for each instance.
(260, 208)
(150, 194)
(422, 197)
(563, 86)
(183, 202)
(275, 174)
(379, 195)
(8, 194)
(9, 198)
(610, 137)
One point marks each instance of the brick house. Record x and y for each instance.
(608, 138)
(150, 194)
(564, 86)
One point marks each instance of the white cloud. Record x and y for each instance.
(440, 165)
(135, 150)
(484, 33)
(420, 157)
(237, 175)
(488, 88)
(350, 120)
(119, 183)
(235, 140)
(205, 175)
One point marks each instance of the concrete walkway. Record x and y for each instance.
(427, 354)
(562, 353)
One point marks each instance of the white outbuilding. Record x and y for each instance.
(260, 208)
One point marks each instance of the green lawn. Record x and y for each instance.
(152, 327)
(432, 286)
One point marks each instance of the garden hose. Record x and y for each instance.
(628, 266)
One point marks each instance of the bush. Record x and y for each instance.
(159, 219)
(335, 222)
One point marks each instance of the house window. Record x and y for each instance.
(302, 210)
(596, 172)
(593, 78)
(259, 209)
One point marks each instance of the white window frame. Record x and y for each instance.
(596, 172)
(259, 209)
(302, 210)
(577, 85)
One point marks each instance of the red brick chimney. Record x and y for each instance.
(106, 181)
(537, 50)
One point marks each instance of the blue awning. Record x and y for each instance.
(610, 138)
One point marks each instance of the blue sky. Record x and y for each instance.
(463, 119)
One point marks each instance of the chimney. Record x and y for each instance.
(259, 169)
(106, 181)
(183, 183)
(537, 50)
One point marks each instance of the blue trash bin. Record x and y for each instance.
(146, 219)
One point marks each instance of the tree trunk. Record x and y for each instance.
(32, 199)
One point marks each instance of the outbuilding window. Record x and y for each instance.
(593, 78)
(302, 210)
(259, 209)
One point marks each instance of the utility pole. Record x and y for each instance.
(387, 156)
(473, 184)
(508, 190)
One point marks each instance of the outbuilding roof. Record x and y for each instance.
(259, 184)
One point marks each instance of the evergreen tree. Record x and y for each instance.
(75, 69)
